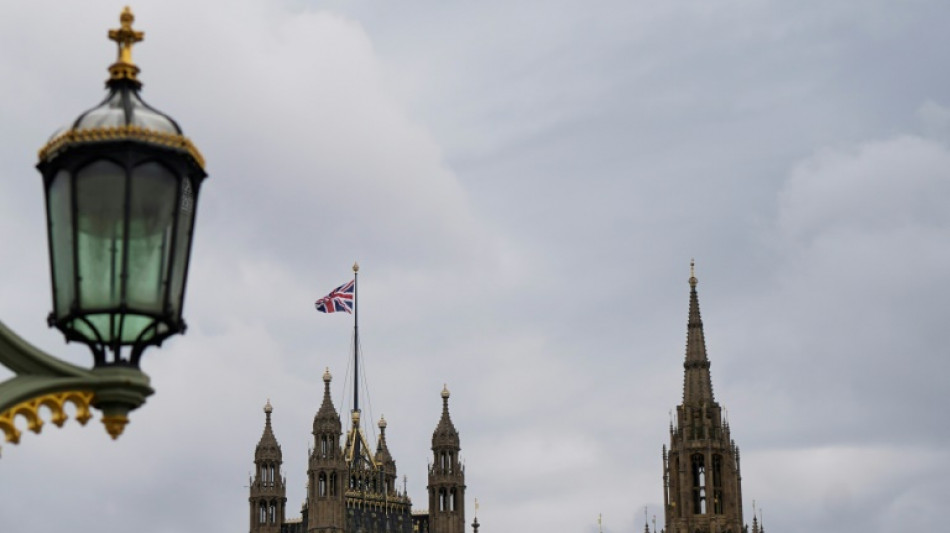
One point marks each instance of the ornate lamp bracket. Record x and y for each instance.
(41, 380)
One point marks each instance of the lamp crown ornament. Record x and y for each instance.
(125, 37)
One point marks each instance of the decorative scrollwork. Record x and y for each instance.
(30, 410)
(118, 133)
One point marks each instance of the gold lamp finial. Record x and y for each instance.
(115, 424)
(125, 37)
(356, 267)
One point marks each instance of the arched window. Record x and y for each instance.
(452, 499)
(262, 513)
(324, 446)
(322, 485)
(273, 513)
(699, 484)
(442, 498)
(333, 485)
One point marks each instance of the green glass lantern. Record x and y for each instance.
(121, 185)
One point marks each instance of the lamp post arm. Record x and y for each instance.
(42, 380)
(23, 358)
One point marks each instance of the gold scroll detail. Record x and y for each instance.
(30, 409)
(121, 133)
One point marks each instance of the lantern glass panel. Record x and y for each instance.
(186, 219)
(151, 223)
(110, 113)
(61, 240)
(100, 214)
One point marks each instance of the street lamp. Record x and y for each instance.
(121, 185)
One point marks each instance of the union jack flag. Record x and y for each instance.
(339, 299)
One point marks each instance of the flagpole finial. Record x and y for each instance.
(356, 267)
(692, 273)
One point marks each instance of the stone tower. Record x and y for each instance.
(446, 477)
(268, 490)
(701, 477)
(327, 470)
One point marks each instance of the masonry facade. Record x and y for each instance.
(351, 486)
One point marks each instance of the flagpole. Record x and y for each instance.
(356, 349)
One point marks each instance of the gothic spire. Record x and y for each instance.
(697, 385)
(268, 446)
(701, 480)
(382, 450)
(327, 420)
(445, 432)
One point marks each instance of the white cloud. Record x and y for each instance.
(843, 480)
(873, 188)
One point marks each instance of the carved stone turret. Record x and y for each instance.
(351, 485)
(268, 497)
(327, 471)
(446, 476)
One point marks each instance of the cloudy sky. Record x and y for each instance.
(523, 184)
